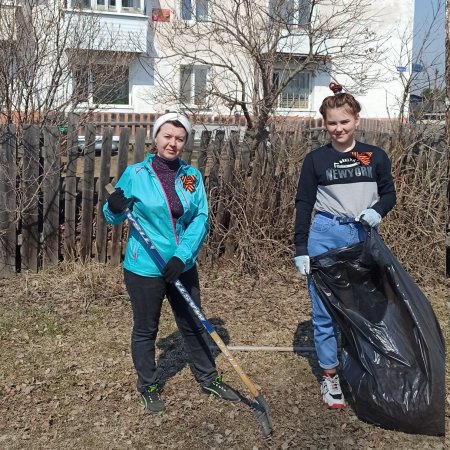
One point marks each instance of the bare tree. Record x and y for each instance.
(424, 74)
(447, 102)
(251, 52)
(55, 58)
(47, 57)
(447, 63)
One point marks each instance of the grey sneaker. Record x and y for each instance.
(151, 400)
(220, 389)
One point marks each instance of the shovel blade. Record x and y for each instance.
(263, 415)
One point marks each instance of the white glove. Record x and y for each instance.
(370, 216)
(302, 263)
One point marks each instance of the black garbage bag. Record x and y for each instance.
(392, 346)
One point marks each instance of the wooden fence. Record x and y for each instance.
(51, 194)
(49, 212)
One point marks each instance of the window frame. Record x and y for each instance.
(280, 105)
(189, 73)
(296, 21)
(109, 5)
(90, 90)
(193, 10)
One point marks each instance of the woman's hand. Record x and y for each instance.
(117, 202)
(173, 269)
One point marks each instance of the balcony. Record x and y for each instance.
(295, 43)
(114, 25)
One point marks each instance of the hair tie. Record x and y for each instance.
(336, 88)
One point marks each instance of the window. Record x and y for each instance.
(81, 4)
(432, 118)
(81, 85)
(193, 84)
(131, 4)
(109, 5)
(101, 84)
(296, 93)
(291, 12)
(94, 4)
(194, 10)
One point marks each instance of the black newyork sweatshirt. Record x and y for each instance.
(342, 184)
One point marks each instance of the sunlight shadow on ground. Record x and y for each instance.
(173, 357)
(304, 339)
(303, 343)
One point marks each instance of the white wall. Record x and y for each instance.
(394, 18)
(391, 18)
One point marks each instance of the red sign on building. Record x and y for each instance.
(160, 15)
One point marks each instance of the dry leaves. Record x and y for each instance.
(67, 380)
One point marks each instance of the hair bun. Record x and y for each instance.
(336, 88)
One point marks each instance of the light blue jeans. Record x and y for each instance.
(327, 234)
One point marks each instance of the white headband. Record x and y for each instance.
(170, 117)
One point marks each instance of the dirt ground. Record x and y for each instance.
(67, 380)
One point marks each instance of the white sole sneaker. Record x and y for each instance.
(331, 393)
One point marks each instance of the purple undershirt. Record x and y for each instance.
(167, 172)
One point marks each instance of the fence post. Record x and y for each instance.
(228, 173)
(87, 199)
(70, 191)
(8, 234)
(139, 144)
(116, 240)
(269, 163)
(51, 193)
(213, 178)
(104, 179)
(188, 148)
(203, 151)
(244, 154)
(30, 186)
(222, 215)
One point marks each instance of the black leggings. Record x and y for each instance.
(147, 295)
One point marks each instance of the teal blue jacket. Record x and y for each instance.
(181, 238)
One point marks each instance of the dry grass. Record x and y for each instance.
(67, 381)
(256, 231)
(415, 229)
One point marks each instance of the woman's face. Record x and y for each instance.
(341, 124)
(170, 141)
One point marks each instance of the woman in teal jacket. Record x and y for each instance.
(168, 198)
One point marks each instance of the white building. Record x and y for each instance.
(135, 71)
(385, 27)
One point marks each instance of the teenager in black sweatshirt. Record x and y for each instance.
(341, 182)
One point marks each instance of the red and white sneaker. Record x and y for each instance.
(331, 392)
